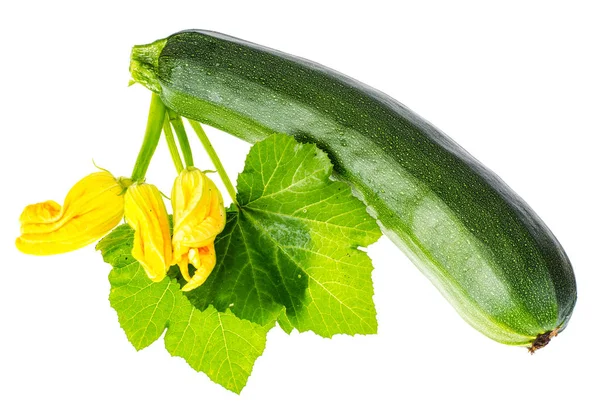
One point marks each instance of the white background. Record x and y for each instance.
(516, 83)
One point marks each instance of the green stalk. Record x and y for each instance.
(215, 159)
(153, 130)
(184, 143)
(172, 146)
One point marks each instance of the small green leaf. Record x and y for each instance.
(218, 343)
(293, 246)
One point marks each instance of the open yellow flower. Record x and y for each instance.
(198, 217)
(145, 212)
(93, 207)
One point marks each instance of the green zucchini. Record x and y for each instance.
(481, 245)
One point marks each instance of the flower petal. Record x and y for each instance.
(204, 259)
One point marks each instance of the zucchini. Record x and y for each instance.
(481, 245)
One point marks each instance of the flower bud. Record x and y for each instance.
(198, 217)
(93, 207)
(145, 212)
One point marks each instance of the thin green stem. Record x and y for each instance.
(172, 146)
(184, 143)
(153, 130)
(215, 159)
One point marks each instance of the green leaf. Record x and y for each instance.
(291, 251)
(218, 343)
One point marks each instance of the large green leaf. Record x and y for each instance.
(289, 253)
(291, 250)
(218, 343)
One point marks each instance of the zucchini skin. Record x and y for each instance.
(480, 244)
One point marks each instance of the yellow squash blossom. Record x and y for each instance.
(93, 207)
(198, 217)
(145, 212)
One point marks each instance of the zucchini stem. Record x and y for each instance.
(153, 130)
(215, 159)
(172, 145)
(182, 137)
